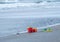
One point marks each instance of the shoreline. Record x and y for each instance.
(35, 37)
(38, 28)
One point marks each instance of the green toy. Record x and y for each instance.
(44, 30)
(47, 30)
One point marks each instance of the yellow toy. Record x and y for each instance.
(49, 30)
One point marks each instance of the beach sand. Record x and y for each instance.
(39, 36)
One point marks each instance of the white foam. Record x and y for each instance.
(28, 4)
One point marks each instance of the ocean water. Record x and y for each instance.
(17, 17)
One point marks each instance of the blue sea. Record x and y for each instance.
(17, 17)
